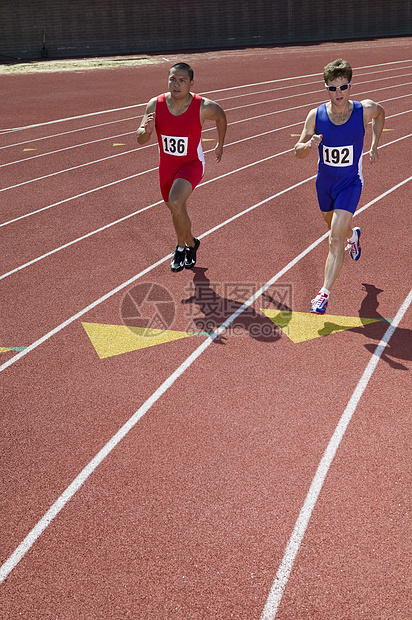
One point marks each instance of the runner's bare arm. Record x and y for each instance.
(211, 111)
(308, 139)
(148, 123)
(374, 112)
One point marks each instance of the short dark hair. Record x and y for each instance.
(337, 68)
(183, 66)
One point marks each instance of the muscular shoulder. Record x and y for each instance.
(210, 110)
(310, 122)
(150, 109)
(151, 106)
(311, 117)
(206, 103)
(370, 109)
(368, 104)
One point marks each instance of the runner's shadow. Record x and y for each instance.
(328, 328)
(278, 304)
(216, 309)
(400, 344)
(284, 317)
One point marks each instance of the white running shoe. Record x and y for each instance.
(320, 303)
(354, 246)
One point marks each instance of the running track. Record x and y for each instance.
(241, 475)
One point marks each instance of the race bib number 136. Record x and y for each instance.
(338, 155)
(175, 145)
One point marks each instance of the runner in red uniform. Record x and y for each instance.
(180, 145)
(178, 117)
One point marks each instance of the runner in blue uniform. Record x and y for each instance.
(337, 130)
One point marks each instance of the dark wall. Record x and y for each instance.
(105, 27)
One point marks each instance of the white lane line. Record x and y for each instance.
(82, 238)
(75, 118)
(310, 75)
(64, 133)
(96, 161)
(307, 106)
(90, 191)
(31, 538)
(130, 215)
(122, 286)
(319, 84)
(4, 189)
(221, 90)
(77, 483)
(134, 118)
(96, 189)
(295, 541)
(55, 174)
(67, 148)
(389, 191)
(313, 92)
(129, 133)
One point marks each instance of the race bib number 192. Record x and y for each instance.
(175, 145)
(338, 155)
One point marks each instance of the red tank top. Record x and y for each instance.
(179, 137)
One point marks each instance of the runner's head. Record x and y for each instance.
(180, 81)
(183, 66)
(337, 69)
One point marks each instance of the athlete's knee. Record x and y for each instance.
(176, 206)
(336, 242)
(175, 202)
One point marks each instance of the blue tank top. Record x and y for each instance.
(340, 152)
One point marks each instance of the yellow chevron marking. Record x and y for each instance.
(302, 326)
(110, 340)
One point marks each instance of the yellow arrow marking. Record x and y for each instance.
(302, 326)
(4, 349)
(110, 340)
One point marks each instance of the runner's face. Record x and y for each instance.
(339, 97)
(179, 83)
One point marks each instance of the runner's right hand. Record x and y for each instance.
(150, 123)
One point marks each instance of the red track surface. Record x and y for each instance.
(190, 515)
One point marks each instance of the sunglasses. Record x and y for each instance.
(333, 89)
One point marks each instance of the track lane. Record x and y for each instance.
(59, 348)
(371, 567)
(227, 559)
(71, 281)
